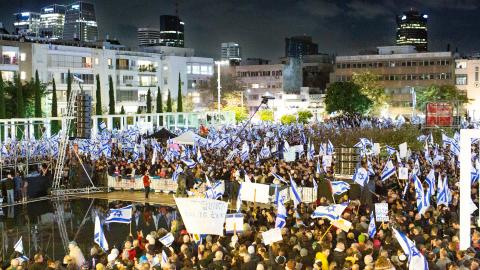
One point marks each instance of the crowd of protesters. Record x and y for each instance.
(307, 243)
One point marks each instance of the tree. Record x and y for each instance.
(266, 115)
(149, 101)
(111, 96)
(55, 126)
(20, 106)
(179, 96)
(98, 97)
(346, 97)
(3, 111)
(169, 102)
(435, 93)
(122, 110)
(304, 116)
(288, 119)
(139, 110)
(38, 105)
(370, 87)
(69, 85)
(241, 113)
(159, 106)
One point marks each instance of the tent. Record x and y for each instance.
(187, 138)
(162, 135)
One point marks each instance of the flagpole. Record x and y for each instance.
(326, 232)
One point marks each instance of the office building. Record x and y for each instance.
(80, 22)
(52, 20)
(3, 31)
(412, 30)
(172, 31)
(26, 23)
(148, 37)
(230, 51)
(299, 46)
(467, 79)
(399, 69)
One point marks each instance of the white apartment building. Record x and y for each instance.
(467, 79)
(133, 73)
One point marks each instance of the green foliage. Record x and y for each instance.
(55, 125)
(38, 105)
(139, 110)
(169, 102)
(98, 97)
(69, 85)
(435, 93)
(304, 116)
(122, 110)
(149, 101)
(266, 115)
(241, 113)
(370, 87)
(3, 112)
(159, 106)
(287, 119)
(346, 97)
(111, 96)
(179, 95)
(227, 81)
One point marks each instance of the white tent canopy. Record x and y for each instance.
(188, 137)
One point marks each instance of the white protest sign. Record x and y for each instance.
(253, 192)
(201, 215)
(297, 148)
(403, 173)
(234, 223)
(289, 156)
(272, 236)
(403, 149)
(376, 149)
(381, 212)
(342, 224)
(327, 160)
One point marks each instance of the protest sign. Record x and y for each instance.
(342, 224)
(376, 149)
(403, 149)
(289, 156)
(381, 212)
(327, 160)
(234, 223)
(201, 215)
(403, 173)
(253, 192)
(272, 236)
(297, 148)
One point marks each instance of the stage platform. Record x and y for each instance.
(132, 196)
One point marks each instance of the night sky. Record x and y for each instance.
(260, 26)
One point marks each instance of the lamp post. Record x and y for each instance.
(219, 87)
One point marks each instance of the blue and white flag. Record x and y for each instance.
(416, 261)
(443, 194)
(339, 187)
(390, 150)
(190, 163)
(257, 162)
(361, 176)
(318, 170)
(121, 215)
(239, 199)
(99, 236)
(371, 172)
(213, 191)
(19, 246)
(281, 214)
(422, 204)
(475, 173)
(330, 148)
(265, 151)
(176, 173)
(245, 154)
(331, 212)
(297, 199)
(199, 156)
(167, 239)
(102, 125)
(431, 182)
(279, 178)
(164, 259)
(454, 147)
(372, 229)
(388, 170)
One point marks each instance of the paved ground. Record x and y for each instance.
(133, 196)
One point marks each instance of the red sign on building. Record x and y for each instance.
(439, 114)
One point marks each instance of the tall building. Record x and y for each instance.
(231, 51)
(467, 79)
(148, 37)
(26, 23)
(80, 22)
(171, 31)
(412, 30)
(3, 31)
(52, 19)
(299, 46)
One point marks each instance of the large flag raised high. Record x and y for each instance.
(422, 203)
(416, 261)
(121, 215)
(99, 236)
(388, 170)
(339, 187)
(331, 212)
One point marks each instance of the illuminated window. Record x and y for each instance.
(23, 57)
(23, 75)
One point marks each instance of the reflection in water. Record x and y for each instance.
(50, 225)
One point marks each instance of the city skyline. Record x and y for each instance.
(260, 28)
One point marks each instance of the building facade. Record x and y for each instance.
(148, 37)
(230, 51)
(26, 23)
(80, 22)
(467, 78)
(172, 31)
(299, 46)
(412, 30)
(52, 20)
(398, 72)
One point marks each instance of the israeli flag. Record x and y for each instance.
(136, 153)
(257, 162)
(416, 261)
(279, 178)
(416, 167)
(422, 204)
(390, 150)
(214, 191)
(475, 174)
(297, 199)
(330, 148)
(239, 199)
(315, 186)
(265, 151)
(99, 236)
(371, 172)
(443, 194)
(19, 246)
(199, 156)
(164, 259)
(318, 170)
(339, 187)
(176, 173)
(310, 151)
(167, 240)
(372, 229)
(281, 214)
(121, 215)
(102, 126)
(431, 182)
(189, 162)
(361, 176)
(331, 212)
(388, 170)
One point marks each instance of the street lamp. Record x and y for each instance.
(219, 63)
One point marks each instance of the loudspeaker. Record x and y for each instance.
(83, 117)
